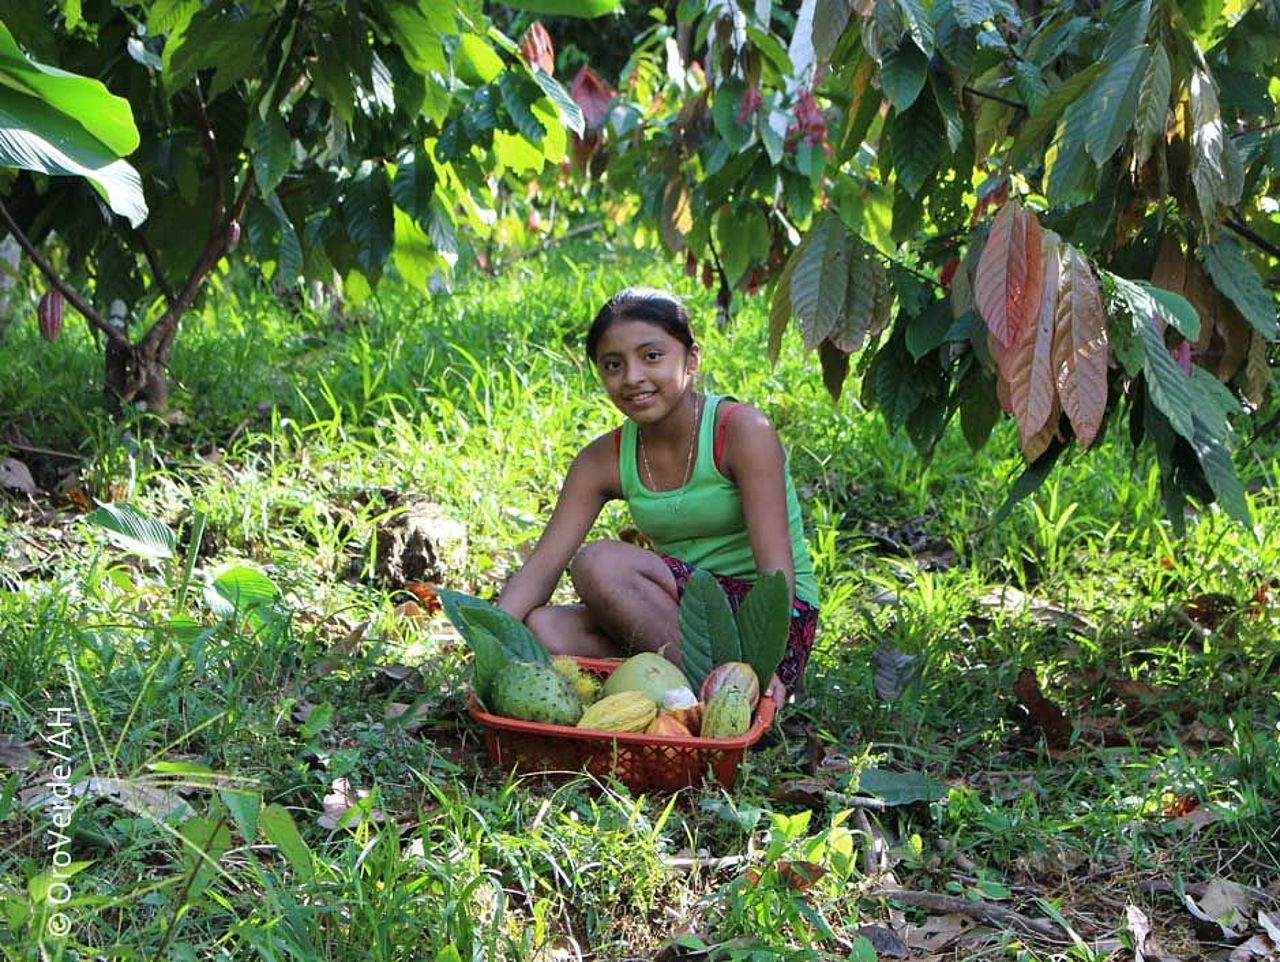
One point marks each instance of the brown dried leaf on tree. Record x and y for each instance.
(536, 48)
(1048, 717)
(1257, 375)
(1080, 347)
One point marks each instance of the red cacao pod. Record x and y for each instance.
(49, 312)
(735, 674)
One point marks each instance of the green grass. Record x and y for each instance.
(294, 429)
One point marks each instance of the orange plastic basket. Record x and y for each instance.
(644, 763)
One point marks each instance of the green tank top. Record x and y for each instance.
(702, 524)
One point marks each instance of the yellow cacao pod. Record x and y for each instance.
(626, 711)
(727, 714)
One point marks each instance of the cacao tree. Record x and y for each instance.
(1058, 212)
(330, 140)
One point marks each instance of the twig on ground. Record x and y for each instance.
(987, 912)
(689, 863)
(858, 801)
(33, 449)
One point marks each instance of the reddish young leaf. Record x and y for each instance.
(536, 48)
(593, 95)
(1028, 363)
(1006, 290)
(1080, 348)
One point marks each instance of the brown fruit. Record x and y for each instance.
(49, 312)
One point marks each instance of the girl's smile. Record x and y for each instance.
(645, 370)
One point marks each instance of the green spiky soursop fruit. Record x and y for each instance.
(535, 692)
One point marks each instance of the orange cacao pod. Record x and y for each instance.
(667, 725)
(49, 313)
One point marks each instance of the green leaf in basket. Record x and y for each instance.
(704, 616)
(764, 622)
(494, 637)
(900, 788)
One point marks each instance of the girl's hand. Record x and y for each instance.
(777, 690)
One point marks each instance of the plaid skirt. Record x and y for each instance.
(804, 620)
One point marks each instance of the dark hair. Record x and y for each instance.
(641, 304)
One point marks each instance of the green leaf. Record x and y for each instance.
(417, 31)
(103, 116)
(764, 623)
(704, 615)
(900, 788)
(519, 103)
(585, 9)
(1069, 173)
(724, 112)
(289, 256)
(134, 532)
(214, 38)
(1175, 309)
(1112, 102)
(475, 61)
(949, 110)
(902, 75)
(279, 828)
(317, 721)
(495, 638)
(1153, 103)
(1168, 387)
(915, 145)
(570, 112)
(898, 389)
(366, 209)
(918, 24)
(205, 842)
(240, 590)
(1235, 277)
(413, 255)
(1044, 119)
(1215, 461)
(272, 150)
(1214, 402)
(927, 330)
(972, 13)
(35, 136)
(819, 279)
(780, 309)
(414, 184)
(1029, 481)
(244, 808)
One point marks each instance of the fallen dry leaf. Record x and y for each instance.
(1259, 948)
(885, 941)
(1224, 903)
(937, 931)
(341, 800)
(14, 753)
(1048, 717)
(16, 476)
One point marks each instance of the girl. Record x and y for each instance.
(706, 481)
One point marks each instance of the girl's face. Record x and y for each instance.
(645, 370)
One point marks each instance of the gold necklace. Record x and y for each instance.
(688, 465)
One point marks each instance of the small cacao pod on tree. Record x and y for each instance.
(233, 235)
(49, 312)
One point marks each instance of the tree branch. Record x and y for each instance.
(1253, 238)
(986, 912)
(994, 97)
(153, 262)
(73, 297)
(160, 334)
(211, 148)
